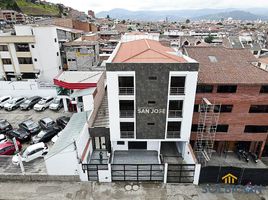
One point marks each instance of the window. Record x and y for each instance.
(152, 78)
(255, 129)
(258, 109)
(55, 39)
(222, 128)
(35, 60)
(22, 47)
(25, 61)
(151, 102)
(223, 108)
(227, 89)
(120, 143)
(264, 89)
(204, 89)
(196, 108)
(58, 54)
(3, 48)
(6, 61)
(32, 46)
(194, 127)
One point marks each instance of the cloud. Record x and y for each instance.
(100, 5)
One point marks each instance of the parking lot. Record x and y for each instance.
(14, 118)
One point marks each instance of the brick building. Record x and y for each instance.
(228, 77)
(75, 24)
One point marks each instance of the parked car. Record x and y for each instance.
(14, 103)
(4, 126)
(30, 126)
(29, 103)
(62, 121)
(4, 100)
(31, 153)
(55, 138)
(20, 134)
(44, 135)
(8, 148)
(43, 104)
(56, 104)
(48, 123)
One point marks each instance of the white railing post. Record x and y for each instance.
(197, 174)
(165, 173)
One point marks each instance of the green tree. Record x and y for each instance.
(209, 39)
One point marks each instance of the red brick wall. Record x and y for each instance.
(245, 96)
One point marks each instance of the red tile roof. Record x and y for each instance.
(146, 51)
(232, 66)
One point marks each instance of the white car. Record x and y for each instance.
(14, 103)
(31, 153)
(43, 103)
(4, 100)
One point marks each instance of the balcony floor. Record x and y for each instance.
(135, 157)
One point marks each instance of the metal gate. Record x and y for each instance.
(138, 172)
(92, 170)
(180, 173)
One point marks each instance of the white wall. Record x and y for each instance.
(88, 102)
(82, 140)
(188, 155)
(63, 163)
(117, 147)
(25, 88)
(153, 146)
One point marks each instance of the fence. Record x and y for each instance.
(241, 176)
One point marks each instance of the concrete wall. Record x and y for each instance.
(25, 88)
(37, 177)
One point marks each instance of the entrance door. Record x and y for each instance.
(137, 145)
(100, 143)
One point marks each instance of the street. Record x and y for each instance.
(118, 191)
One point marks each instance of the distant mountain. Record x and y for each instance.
(181, 15)
(236, 14)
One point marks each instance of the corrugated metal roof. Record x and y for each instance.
(69, 134)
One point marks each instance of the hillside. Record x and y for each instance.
(29, 8)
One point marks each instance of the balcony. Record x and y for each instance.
(175, 113)
(176, 91)
(127, 134)
(173, 134)
(126, 90)
(126, 113)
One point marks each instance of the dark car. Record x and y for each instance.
(62, 121)
(29, 103)
(8, 148)
(45, 135)
(30, 126)
(48, 123)
(4, 126)
(20, 135)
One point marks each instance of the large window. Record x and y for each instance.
(264, 89)
(177, 85)
(3, 48)
(196, 108)
(258, 109)
(6, 61)
(204, 89)
(222, 128)
(255, 129)
(223, 108)
(194, 127)
(226, 89)
(25, 60)
(126, 85)
(127, 129)
(173, 129)
(22, 47)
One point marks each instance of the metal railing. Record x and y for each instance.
(173, 134)
(174, 113)
(127, 134)
(177, 91)
(126, 113)
(126, 90)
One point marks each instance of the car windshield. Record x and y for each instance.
(42, 102)
(11, 101)
(41, 134)
(3, 123)
(31, 125)
(27, 101)
(56, 101)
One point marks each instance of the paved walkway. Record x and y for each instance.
(112, 191)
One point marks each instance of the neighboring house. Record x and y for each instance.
(228, 77)
(263, 62)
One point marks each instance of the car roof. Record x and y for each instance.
(3, 120)
(34, 97)
(36, 146)
(47, 119)
(28, 121)
(16, 98)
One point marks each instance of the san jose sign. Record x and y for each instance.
(149, 110)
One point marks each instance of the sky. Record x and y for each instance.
(105, 5)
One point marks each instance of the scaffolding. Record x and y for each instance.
(206, 130)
